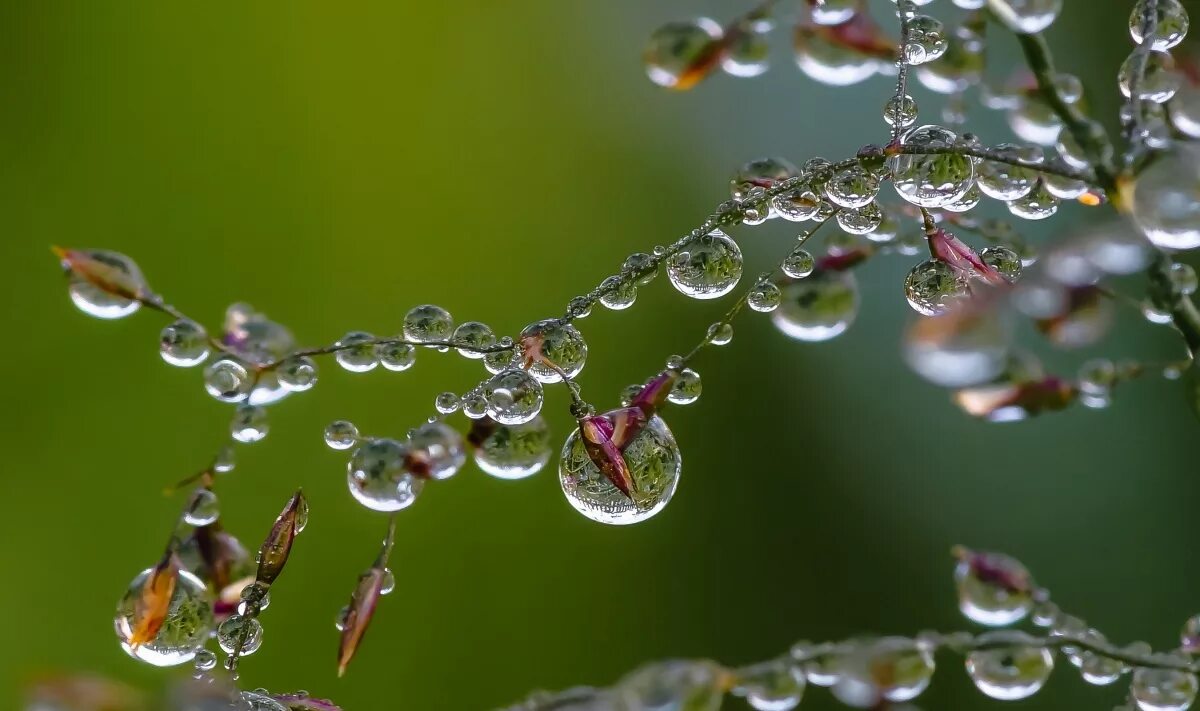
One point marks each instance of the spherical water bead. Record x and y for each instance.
(764, 297)
(498, 361)
(967, 202)
(968, 349)
(932, 287)
(1185, 110)
(1164, 199)
(205, 661)
(862, 221)
(771, 687)
(707, 268)
(824, 58)
(513, 397)
(203, 509)
(760, 173)
(799, 264)
(1159, 81)
(641, 267)
(515, 451)
(687, 388)
(852, 187)
(1171, 23)
(253, 701)
(440, 447)
(298, 373)
(561, 344)
(474, 405)
(94, 301)
(1003, 181)
(900, 111)
(619, 293)
(1100, 670)
(1039, 204)
(397, 357)
(797, 204)
(677, 51)
(1163, 689)
(719, 334)
(249, 423)
(357, 352)
(993, 589)
(684, 685)
(341, 434)
(230, 635)
(894, 668)
(926, 40)
(1016, 670)
(1027, 16)
(818, 308)
(225, 460)
(748, 53)
(427, 323)
(833, 12)
(183, 343)
(1063, 188)
(653, 460)
(227, 380)
(183, 633)
(378, 478)
(1004, 260)
(471, 337)
(446, 403)
(931, 180)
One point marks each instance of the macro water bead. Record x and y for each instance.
(184, 629)
(249, 423)
(227, 380)
(799, 264)
(203, 509)
(397, 357)
(1004, 181)
(817, 308)
(183, 343)
(852, 187)
(357, 352)
(775, 686)
(1027, 16)
(680, 685)
(551, 349)
(1166, 199)
(240, 633)
(764, 297)
(680, 54)
(926, 40)
(1163, 689)
(341, 434)
(378, 477)
(1011, 666)
(428, 323)
(513, 397)
(931, 180)
(472, 336)
(993, 589)
(298, 373)
(102, 283)
(1157, 81)
(707, 268)
(653, 461)
(1170, 23)
(687, 388)
(900, 111)
(436, 450)
(934, 287)
(889, 668)
(760, 173)
(511, 451)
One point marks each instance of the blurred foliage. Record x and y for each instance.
(336, 164)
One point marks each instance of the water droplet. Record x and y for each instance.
(203, 509)
(227, 380)
(1164, 203)
(1163, 689)
(760, 173)
(894, 668)
(249, 423)
(862, 221)
(771, 687)
(184, 631)
(298, 373)
(513, 451)
(110, 267)
(205, 661)
(852, 187)
(764, 297)
(561, 344)
(687, 388)
(653, 459)
(513, 397)
(720, 333)
(692, 685)
(378, 478)
(926, 40)
(437, 450)
(388, 583)
(231, 632)
(1171, 23)
(1003, 181)
(183, 344)
(1100, 670)
(833, 12)
(358, 352)
(680, 54)
(748, 53)
(341, 434)
(619, 293)
(993, 589)
(1004, 260)
(959, 349)
(427, 323)
(818, 308)
(799, 264)
(796, 204)
(641, 267)
(900, 111)
(474, 405)
(1037, 205)
(934, 287)
(397, 357)
(225, 460)
(1016, 668)
(1159, 80)
(446, 403)
(931, 180)
(472, 336)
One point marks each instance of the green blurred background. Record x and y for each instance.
(337, 163)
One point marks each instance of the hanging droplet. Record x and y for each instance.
(1037, 205)
(377, 476)
(760, 173)
(436, 450)
(680, 54)
(182, 633)
(298, 373)
(446, 403)
(993, 589)
(774, 686)
(205, 661)
(471, 337)
(549, 347)
(513, 397)
(1004, 181)
(862, 221)
(102, 283)
(653, 460)
(799, 264)
(932, 180)
(204, 508)
(1013, 666)
(184, 344)
(933, 287)
(249, 423)
(513, 451)
(1164, 199)
(474, 405)
(686, 389)
(852, 187)
(720, 333)
(764, 297)
(227, 380)
(748, 51)
(641, 267)
(341, 434)
(926, 40)
(1003, 260)
(240, 630)
(1027, 16)
(357, 352)
(1159, 80)
(707, 268)
(1171, 23)
(427, 323)
(686, 685)
(963, 348)
(397, 357)
(818, 308)
(1163, 689)
(833, 12)
(225, 460)
(797, 204)
(891, 668)
(619, 294)
(900, 111)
